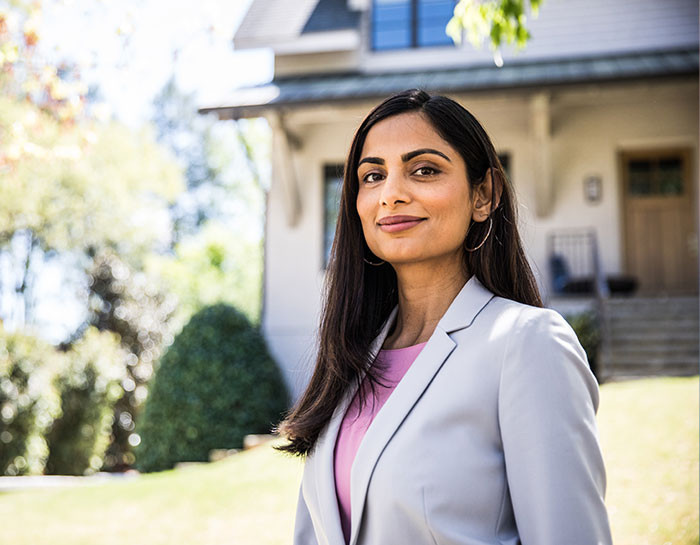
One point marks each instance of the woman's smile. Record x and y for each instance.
(393, 224)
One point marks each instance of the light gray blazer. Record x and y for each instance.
(489, 438)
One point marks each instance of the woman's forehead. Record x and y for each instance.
(403, 133)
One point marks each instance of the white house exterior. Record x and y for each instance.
(597, 123)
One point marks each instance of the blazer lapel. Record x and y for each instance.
(461, 313)
(322, 461)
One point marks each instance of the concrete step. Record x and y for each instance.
(634, 302)
(641, 300)
(654, 320)
(654, 350)
(652, 336)
(621, 374)
(656, 336)
(653, 360)
(653, 317)
(647, 325)
(650, 311)
(647, 371)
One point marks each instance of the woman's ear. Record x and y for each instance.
(487, 195)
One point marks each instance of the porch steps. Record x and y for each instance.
(652, 336)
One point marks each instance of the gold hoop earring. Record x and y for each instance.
(373, 264)
(482, 242)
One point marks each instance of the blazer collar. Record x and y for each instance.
(460, 314)
(466, 305)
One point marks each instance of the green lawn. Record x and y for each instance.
(649, 433)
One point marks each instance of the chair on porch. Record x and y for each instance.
(574, 265)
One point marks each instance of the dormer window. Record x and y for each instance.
(399, 24)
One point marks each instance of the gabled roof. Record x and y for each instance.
(337, 88)
(273, 21)
(331, 15)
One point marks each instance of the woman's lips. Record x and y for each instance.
(392, 224)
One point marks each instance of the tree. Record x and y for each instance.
(69, 181)
(219, 160)
(90, 191)
(88, 384)
(216, 384)
(499, 20)
(218, 220)
(110, 203)
(125, 300)
(210, 267)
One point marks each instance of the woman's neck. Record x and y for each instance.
(425, 292)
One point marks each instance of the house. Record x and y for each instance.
(596, 122)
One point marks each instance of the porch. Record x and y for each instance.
(637, 333)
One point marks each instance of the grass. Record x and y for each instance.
(248, 498)
(648, 431)
(649, 436)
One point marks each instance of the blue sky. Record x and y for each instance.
(131, 47)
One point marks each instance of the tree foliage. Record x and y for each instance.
(125, 300)
(87, 189)
(28, 401)
(213, 266)
(221, 162)
(215, 384)
(70, 180)
(499, 21)
(89, 385)
(139, 216)
(217, 244)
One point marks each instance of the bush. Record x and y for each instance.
(89, 385)
(28, 402)
(216, 383)
(587, 329)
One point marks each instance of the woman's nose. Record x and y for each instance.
(394, 190)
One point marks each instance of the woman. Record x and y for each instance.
(481, 403)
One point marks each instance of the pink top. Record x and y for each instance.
(355, 424)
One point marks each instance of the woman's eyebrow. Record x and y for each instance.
(405, 157)
(411, 154)
(373, 160)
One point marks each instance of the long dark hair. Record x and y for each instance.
(359, 297)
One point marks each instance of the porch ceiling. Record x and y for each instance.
(337, 88)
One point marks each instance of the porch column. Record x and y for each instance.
(541, 138)
(283, 144)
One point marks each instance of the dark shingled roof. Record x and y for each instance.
(331, 15)
(302, 90)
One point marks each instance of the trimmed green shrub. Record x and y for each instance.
(28, 401)
(215, 384)
(587, 329)
(89, 386)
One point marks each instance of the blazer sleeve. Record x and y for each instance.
(303, 527)
(547, 402)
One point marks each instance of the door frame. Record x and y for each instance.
(687, 151)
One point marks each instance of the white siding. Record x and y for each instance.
(294, 255)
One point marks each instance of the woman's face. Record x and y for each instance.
(414, 199)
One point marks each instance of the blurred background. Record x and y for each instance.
(169, 182)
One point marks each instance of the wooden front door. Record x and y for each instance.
(661, 244)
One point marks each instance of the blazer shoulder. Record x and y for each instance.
(529, 318)
(539, 342)
(518, 325)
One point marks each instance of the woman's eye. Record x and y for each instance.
(426, 171)
(372, 177)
